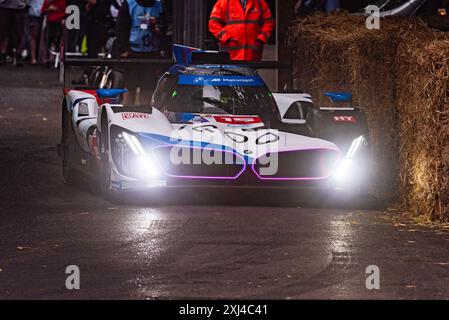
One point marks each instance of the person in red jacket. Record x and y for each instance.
(55, 11)
(242, 27)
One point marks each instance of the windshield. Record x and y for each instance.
(236, 100)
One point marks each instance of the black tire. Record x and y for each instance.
(95, 77)
(105, 165)
(68, 143)
(115, 80)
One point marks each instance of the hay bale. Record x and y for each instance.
(337, 52)
(398, 75)
(423, 105)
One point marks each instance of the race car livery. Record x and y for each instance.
(214, 125)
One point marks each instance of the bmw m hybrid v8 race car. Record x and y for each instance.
(213, 125)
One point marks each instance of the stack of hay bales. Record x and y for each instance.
(423, 105)
(399, 76)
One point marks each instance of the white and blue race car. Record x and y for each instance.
(213, 125)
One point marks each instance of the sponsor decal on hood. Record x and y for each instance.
(215, 80)
(238, 120)
(134, 115)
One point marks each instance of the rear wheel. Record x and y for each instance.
(115, 80)
(95, 77)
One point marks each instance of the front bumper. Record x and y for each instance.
(246, 181)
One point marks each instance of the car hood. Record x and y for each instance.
(245, 135)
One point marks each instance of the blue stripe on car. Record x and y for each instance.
(158, 140)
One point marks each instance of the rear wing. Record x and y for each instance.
(78, 61)
(339, 101)
(182, 55)
(70, 62)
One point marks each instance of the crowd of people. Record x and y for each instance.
(32, 30)
(21, 25)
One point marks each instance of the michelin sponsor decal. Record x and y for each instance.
(208, 80)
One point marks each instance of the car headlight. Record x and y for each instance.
(346, 170)
(131, 158)
(356, 147)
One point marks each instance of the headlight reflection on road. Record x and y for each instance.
(343, 266)
(341, 236)
(144, 227)
(151, 230)
(144, 220)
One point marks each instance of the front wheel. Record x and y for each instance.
(105, 164)
(68, 142)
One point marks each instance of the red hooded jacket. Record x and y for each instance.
(242, 32)
(58, 14)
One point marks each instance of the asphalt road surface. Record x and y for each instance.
(179, 249)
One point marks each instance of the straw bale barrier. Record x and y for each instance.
(399, 75)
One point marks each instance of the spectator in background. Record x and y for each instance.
(34, 27)
(75, 36)
(242, 27)
(12, 26)
(141, 29)
(166, 46)
(55, 11)
(99, 21)
(115, 8)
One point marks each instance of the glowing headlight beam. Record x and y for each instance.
(134, 144)
(144, 164)
(147, 167)
(355, 147)
(343, 170)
